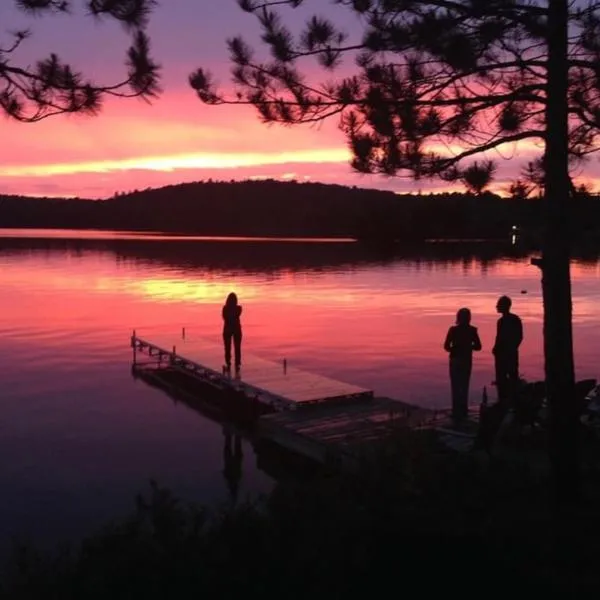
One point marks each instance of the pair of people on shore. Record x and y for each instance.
(463, 339)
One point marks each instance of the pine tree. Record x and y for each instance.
(437, 82)
(51, 86)
(477, 177)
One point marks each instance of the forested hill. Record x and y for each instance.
(274, 208)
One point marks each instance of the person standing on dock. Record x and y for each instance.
(509, 335)
(462, 339)
(232, 330)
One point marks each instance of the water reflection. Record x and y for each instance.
(80, 437)
(257, 256)
(327, 306)
(232, 460)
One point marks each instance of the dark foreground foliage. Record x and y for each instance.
(423, 522)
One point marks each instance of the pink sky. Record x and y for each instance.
(176, 139)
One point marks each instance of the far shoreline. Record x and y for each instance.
(98, 233)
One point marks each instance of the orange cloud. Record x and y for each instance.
(184, 161)
(177, 139)
(176, 124)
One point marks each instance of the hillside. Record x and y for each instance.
(274, 208)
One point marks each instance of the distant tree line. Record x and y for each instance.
(274, 208)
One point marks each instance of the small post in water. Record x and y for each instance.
(183, 333)
(134, 347)
(284, 366)
(174, 354)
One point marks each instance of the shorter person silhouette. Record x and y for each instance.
(462, 339)
(509, 335)
(232, 330)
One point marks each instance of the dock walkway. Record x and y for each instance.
(328, 421)
(340, 435)
(280, 386)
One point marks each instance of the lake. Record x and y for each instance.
(79, 437)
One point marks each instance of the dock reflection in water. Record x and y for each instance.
(79, 437)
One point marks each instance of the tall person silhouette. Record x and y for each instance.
(232, 330)
(509, 335)
(462, 339)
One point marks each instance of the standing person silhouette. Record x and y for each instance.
(509, 335)
(462, 339)
(232, 329)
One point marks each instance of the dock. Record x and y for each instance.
(327, 421)
(296, 419)
(341, 436)
(278, 386)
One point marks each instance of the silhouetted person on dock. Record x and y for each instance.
(462, 339)
(232, 458)
(509, 335)
(232, 329)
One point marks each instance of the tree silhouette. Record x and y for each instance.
(51, 86)
(584, 191)
(477, 177)
(534, 175)
(520, 190)
(437, 82)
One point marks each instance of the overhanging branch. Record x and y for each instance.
(448, 162)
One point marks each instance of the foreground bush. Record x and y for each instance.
(416, 521)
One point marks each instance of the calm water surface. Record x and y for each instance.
(79, 436)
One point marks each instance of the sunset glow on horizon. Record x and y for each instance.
(175, 162)
(132, 145)
(176, 139)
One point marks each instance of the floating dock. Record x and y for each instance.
(325, 420)
(276, 385)
(289, 413)
(340, 436)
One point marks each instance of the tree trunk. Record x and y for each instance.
(556, 278)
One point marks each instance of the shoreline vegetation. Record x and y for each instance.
(270, 208)
(414, 518)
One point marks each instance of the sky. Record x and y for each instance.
(135, 145)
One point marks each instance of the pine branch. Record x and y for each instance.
(51, 86)
(472, 73)
(509, 139)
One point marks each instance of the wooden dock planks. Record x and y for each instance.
(338, 422)
(339, 433)
(284, 388)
